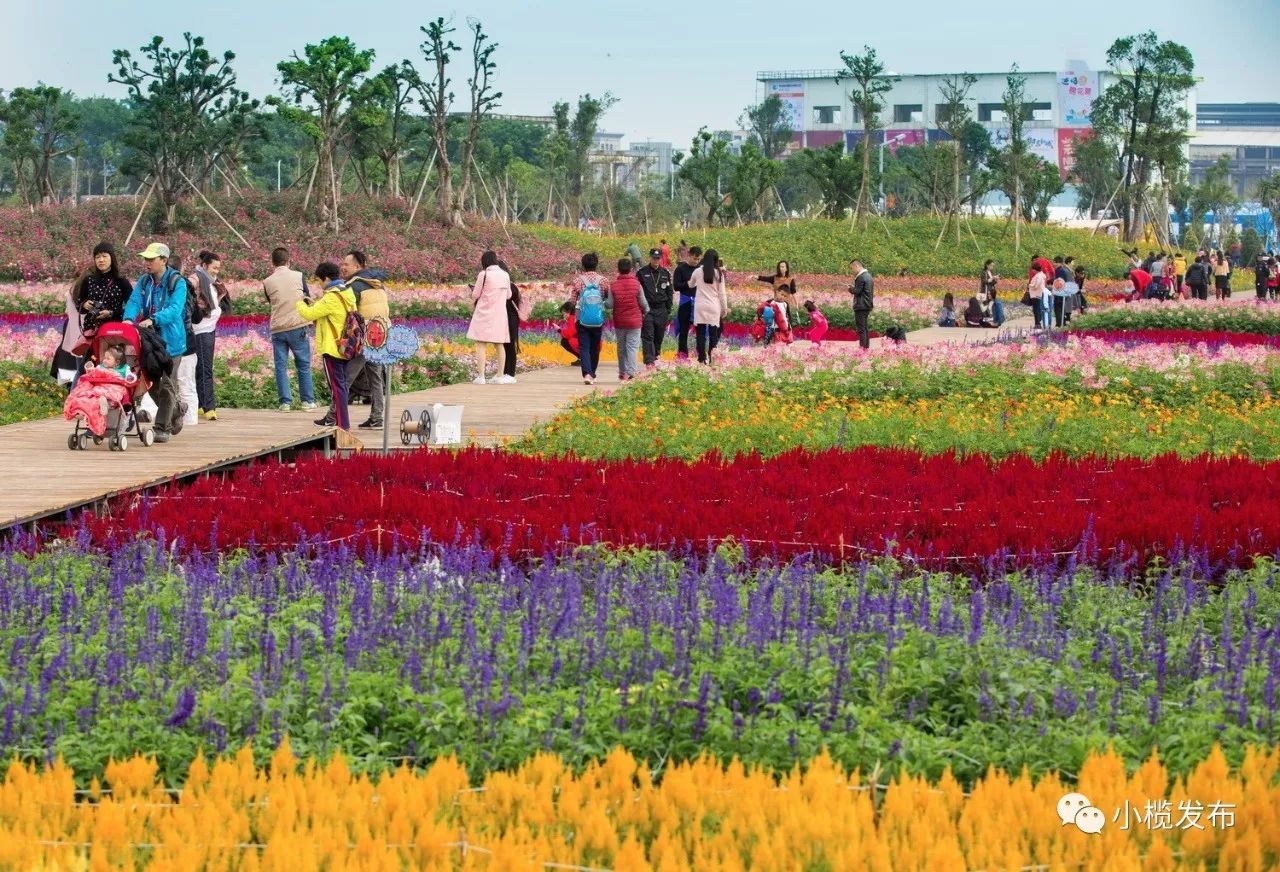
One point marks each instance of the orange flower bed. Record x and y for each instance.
(701, 815)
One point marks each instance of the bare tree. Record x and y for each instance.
(868, 73)
(483, 101)
(436, 98)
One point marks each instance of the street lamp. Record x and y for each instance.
(882, 146)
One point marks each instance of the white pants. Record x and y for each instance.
(187, 389)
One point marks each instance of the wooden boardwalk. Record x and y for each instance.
(44, 479)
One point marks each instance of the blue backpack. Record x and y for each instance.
(591, 306)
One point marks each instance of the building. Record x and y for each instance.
(1058, 108)
(622, 167)
(656, 157)
(1247, 134)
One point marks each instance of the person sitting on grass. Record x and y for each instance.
(947, 317)
(978, 312)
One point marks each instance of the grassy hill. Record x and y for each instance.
(823, 246)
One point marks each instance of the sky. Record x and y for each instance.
(673, 72)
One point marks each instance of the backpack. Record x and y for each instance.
(351, 339)
(591, 305)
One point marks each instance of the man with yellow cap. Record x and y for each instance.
(159, 301)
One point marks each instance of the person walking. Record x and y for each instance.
(659, 293)
(711, 304)
(682, 279)
(511, 350)
(1179, 271)
(590, 290)
(664, 254)
(1197, 279)
(289, 335)
(159, 302)
(371, 301)
(210, 292)
(863, 301)
(488, 324)
(629, 310)
(329, 314)
(97, 297)
(1037, 293)
(989, 279)
(1221, 276)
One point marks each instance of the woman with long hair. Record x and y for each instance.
(489, 326)
(710, 303)
(208, 309)
(784, 289)
(97, 296)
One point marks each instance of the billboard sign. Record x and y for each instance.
(1077, 89)
(791, 92)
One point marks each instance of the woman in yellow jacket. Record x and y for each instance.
(330, 314)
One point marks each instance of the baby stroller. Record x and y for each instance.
(122, 418)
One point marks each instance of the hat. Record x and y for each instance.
(156, 249)
(655, 252)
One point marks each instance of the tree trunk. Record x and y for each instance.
(444, 186)
(1017, 209)
(955, 197)
(861, 207)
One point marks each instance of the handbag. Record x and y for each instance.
(1027, 299)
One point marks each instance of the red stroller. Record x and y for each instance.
(122, 417)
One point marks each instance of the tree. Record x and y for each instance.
(1041, 183)
(103, 122)
(837, 174)
(1144, 111)
(1268, 193)
(751, 177)
(867, 72)
(322, 85)
(769, 125)
(483, 101)
(572, 140)
(704, 169)
(922, 176)
(1015, 162)
(1215, 194)
(40, 127)
(188, 112)
(955, 118)
(436, 98)
(1097, 173)
(383, 125)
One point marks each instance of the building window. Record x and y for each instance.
(991, 112)
(1255, 152)
(855, 115)
(907, 112)
(1038, 111)
(826, 114)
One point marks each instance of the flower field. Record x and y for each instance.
(810, 608)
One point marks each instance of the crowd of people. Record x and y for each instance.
(177, 315)
(1167, 275)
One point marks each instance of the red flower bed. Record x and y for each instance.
(1175, 337)
(945, 510)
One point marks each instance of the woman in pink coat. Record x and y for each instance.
(489, 320)
(710, 303)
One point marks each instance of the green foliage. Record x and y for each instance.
(1232, 319)
(27, 393)
(189, 112)
(824, 246)
(868, 74)
(40, 126)
(769, 125)
(1250, 245)
(704, 169)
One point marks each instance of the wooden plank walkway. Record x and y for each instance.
(44, 479)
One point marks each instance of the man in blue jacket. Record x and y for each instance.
(159, 301)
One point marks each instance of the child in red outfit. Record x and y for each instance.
(818, 321)
(569, 332)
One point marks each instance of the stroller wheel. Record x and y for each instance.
(122, 443)
(148, 438)
(84, 441)
(112, 444)
(73, 442)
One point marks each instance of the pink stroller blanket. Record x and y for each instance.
(94, 386)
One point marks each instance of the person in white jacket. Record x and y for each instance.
(710, 303)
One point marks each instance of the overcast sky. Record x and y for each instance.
(672, 73)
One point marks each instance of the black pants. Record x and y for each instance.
(708, 339)
(204, 371)
(373, 378)
(1060, 313)
(509, 359)
(589, 348)
(1199, 292)
(652, 332)
(1261, 289)
(860, 317)
(684, 320)
(564, 343)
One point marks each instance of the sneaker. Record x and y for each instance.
(372, 424)
(308, 407)
(286, 407)
(326, 421)
(161, 436)
(478, 381)
(211, 415)
(505, 380)
(179, 419)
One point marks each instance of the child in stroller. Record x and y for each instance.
(102, 403)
